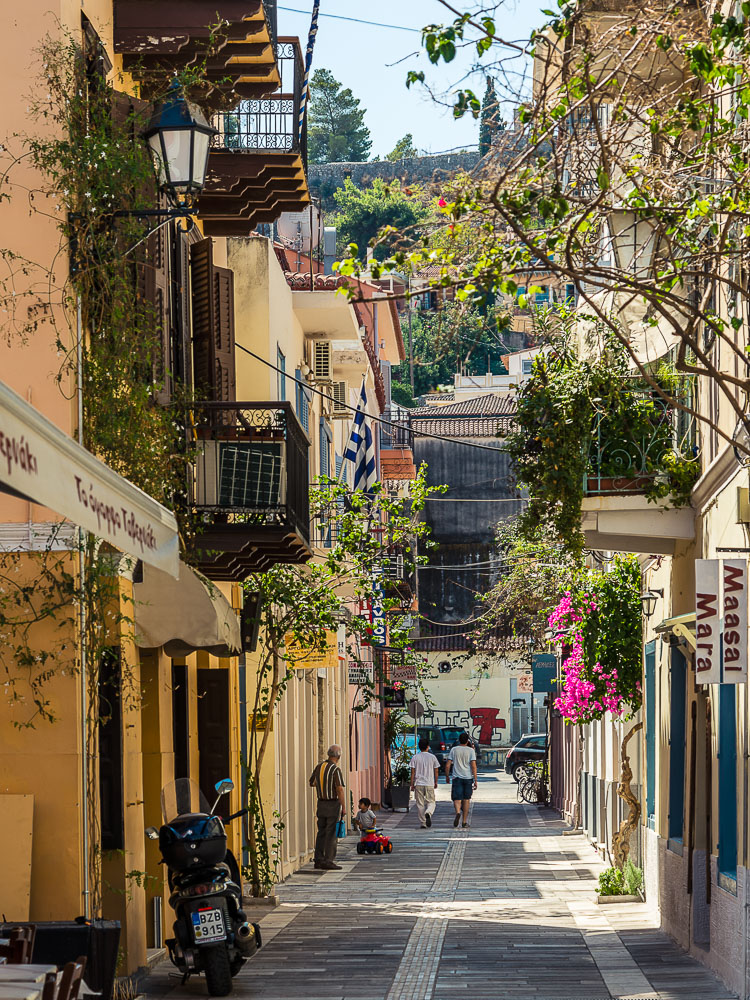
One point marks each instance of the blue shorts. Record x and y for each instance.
(461, 788)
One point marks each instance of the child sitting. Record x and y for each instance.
(365, 818)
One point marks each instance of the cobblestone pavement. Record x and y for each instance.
(504, 910)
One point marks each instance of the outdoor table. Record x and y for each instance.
(25, 973)
(20, 991)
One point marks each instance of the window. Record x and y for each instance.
(727, 782)
(325, 449)
(650, 684)
(280, 375)
(526, 367)
(250, 474)
(302, 402)
(678, 674)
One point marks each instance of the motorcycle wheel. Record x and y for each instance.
(217, 970)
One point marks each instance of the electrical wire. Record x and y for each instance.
(354, 409)
(355, 20)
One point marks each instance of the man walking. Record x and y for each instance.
(424, 780)
(328, 782)
(463, 760)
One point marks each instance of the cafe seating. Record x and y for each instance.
(70, 981)
(17, 944)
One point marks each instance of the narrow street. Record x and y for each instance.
(505, 909)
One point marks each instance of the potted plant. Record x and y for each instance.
(400, 782)
(620, 885)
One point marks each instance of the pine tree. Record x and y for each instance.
(336, 129)
(490, 122)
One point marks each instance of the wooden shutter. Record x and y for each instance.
(213, 324)
(162, 359)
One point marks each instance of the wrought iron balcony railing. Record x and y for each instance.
(397, 433)
(252, 467)
(273, 123)
(627, 450)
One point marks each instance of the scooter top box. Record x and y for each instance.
(193, 840)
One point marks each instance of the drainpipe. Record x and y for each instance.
(82, 640)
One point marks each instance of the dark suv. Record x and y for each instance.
(442, 739)
(529, 748)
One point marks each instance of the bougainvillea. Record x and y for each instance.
(598, 622)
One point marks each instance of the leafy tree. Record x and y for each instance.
(403, 149)
(363, 212)
(336, 130)
(489, 119)
(453, 339)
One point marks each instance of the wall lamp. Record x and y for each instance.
(649, 599)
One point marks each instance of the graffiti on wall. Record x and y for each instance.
(483, 724)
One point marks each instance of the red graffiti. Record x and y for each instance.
(488, 721)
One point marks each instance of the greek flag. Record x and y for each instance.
(308, 65)
(361, 447)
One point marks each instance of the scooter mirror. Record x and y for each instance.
(225, 785)
(152, 833)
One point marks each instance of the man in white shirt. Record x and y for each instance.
(463, 760)
(424, 780)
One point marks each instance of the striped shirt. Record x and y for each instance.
(326, 778)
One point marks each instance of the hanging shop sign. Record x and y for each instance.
(361, 674)
(707, 622)
(301, 657)
(734, 635)
(403, 671)
(42, 464)
(544, 672)
(377, 609)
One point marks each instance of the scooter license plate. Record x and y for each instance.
(208, 925)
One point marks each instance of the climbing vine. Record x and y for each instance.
(585, 422)
(598, 622)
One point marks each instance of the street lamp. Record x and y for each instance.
(179, 138)
(649, 599)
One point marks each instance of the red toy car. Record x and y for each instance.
(373, 842)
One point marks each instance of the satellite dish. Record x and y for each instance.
(301, 231)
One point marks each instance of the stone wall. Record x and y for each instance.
(325, 178)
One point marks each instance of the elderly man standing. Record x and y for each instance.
(328, 782)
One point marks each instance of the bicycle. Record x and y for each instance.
(532, 786)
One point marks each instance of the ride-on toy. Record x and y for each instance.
(373, 842)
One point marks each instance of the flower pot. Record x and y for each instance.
(261, 902)
(596, 485)
(400, 797)
(618, 899)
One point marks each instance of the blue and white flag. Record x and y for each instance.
(304, 99)
(361, 448)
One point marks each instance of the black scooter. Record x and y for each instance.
(211, 932)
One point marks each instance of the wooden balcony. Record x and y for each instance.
(232, 41)
(249, 495)
(258, 161)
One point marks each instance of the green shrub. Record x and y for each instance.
(633, 877)
(611, 882)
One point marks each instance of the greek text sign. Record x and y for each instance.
(707, 622)
(734, 604)
(360, 674)
(403, 671)
(377, 609)
(43, 464)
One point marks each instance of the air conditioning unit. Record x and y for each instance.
(322, 360)
(340, 399)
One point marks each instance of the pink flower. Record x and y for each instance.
(442, 203)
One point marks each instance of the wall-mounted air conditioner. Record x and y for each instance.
(322, 360)
(340, 399)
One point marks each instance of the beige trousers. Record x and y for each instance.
(424, 796)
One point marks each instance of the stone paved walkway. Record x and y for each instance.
(502, 911)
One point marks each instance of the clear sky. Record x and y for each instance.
(373, 61)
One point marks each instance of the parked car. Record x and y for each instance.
(531, 747)
(442, 739)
